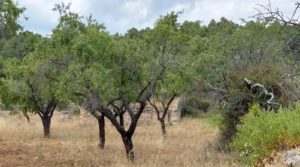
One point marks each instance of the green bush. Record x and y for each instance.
(239, 98)
(263, 131)
(191, 112)
(197, 103)
(194, 106)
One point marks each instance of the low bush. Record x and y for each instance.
(194, 106)
(262, 132)
(190, 112)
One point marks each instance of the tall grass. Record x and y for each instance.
(189, 143)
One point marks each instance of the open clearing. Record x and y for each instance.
(73, 142)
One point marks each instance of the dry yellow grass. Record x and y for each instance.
(189, 143)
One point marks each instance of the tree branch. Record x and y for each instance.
(168, 105)
(155, 108)
(268, 13)
(253, 88)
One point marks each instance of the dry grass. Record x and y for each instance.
(74, 143)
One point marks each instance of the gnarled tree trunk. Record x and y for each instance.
(46, 114)
(128, 147)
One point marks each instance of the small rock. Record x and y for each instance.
(293, 161)
(290, 153)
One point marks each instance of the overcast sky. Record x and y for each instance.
(120, 15)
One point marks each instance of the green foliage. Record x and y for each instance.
(240, 98)
(190, 112)
(36, 74)
(20, 45)
(252, 55)
(263, 132)
(194, 106)
(9, 13)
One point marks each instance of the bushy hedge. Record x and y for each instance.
(263, 131)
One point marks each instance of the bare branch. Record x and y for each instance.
(266, 12)
(155, 108)
(111, 102)
(168, 104)
(253, 87)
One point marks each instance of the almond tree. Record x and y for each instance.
(167, 39)
(26, 85)
(109, 75)
(107, 80)
(31, 83)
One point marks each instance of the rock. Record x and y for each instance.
(293, 161)
(290, 158)
(290, 153)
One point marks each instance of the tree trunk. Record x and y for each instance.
(101, 124)
(121, 120)
(163, 126)
(128, 147)
(46, 124)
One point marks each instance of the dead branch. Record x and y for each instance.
(257, 86)
(268, 13)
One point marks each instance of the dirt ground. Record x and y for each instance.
(73, 142)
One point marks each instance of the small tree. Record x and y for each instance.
(162, 111)
(27, 87)
(32, 83)
(167, 38)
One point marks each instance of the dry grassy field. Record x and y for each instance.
(74, 142)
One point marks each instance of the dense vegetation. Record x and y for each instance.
(263, 132)
(221, 64)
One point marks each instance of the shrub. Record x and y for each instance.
(193, 106)
(263, 131)
(239, 98)
(191, 112)
(238, 104)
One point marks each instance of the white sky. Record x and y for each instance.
(121, 15)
